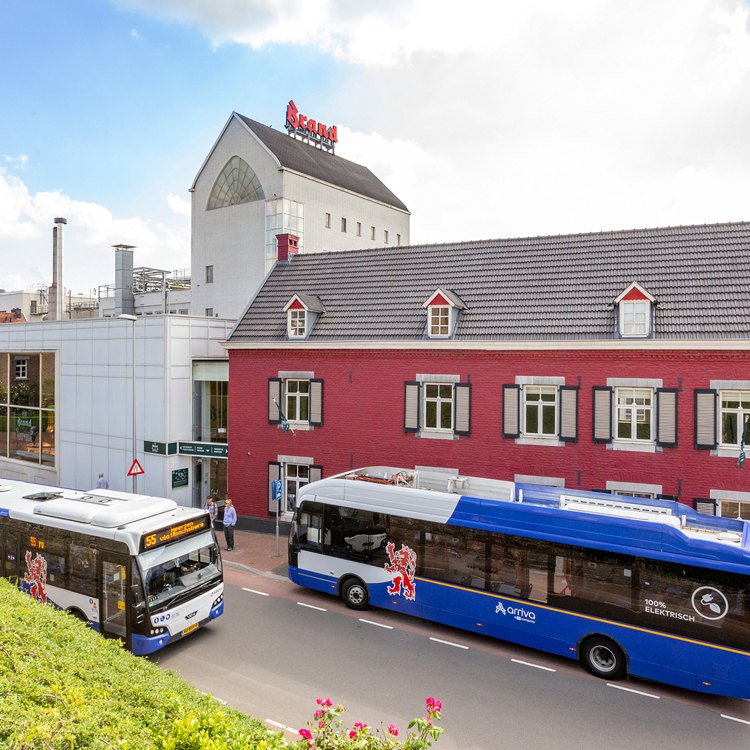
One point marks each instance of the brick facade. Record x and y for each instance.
(363, 417)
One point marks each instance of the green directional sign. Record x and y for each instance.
(215, 450)
(149, 446)
(179, 478)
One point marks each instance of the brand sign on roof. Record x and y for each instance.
(314, 130)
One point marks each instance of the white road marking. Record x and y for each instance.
(310, 606)
(284, 727)
(223, 703)
(536, 666)
(253, 591)
(448, 643)
(630, 690)
(731, 718)
(379, 624)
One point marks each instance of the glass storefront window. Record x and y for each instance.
(27, 417)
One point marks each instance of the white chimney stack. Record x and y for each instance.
(57, 291)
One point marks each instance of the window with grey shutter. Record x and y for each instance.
(705, 418)
(316, 402)
(274, 393)
(666, 417)
(511, 411)
(462, 408)
(411, 406)
(705, 505)
(274, 473)
(602, 414)
(568, 413)
(316, 473)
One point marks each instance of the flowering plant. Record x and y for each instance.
(326, 733)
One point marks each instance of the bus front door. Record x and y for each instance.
(113, 597)
(9, 555)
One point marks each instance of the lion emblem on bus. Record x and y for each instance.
(36, 577)
(402, 567)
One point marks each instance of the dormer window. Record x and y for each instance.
(297, 324)
(634, 310)
(302, 312)
(442, 314)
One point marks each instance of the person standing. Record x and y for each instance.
(102, 483)
(230, 519)
(212, 508)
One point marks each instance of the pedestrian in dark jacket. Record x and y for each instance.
(230, 519)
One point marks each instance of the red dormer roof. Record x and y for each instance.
(635, 292)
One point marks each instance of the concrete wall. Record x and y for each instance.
(363, 419)
(94, 364)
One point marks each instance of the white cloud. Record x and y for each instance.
(178, 205)
(17, 161)
(134, 33)
(26, 223)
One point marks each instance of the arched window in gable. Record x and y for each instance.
(236, 184)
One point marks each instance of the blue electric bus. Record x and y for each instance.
(134, 567)
(629, 585)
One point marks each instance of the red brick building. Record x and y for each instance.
(615, 361)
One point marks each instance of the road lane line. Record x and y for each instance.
(284, 727)
(536, 666)
(630, 690)
(731, 718)
(449, 643)
(253, 591)
(310, 606)
(379, 624)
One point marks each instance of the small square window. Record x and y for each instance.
(22, 369)
(209, 312)
(385, 236)
(328, 221)
(297, 324)
(634, 317)
(209, 274)
(359, 229)
(343, 224)
(439, 320)
(372, 233)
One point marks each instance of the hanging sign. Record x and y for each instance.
(135, 469)
(309, 128)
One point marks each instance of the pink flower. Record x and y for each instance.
(321, 725)
(328, 702)
(434, 706)
(305, 733)
(393, 729)
(360, 726)
(321, 712)
(352, 734)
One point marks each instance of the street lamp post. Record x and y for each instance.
(133, 318)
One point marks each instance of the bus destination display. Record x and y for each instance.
(171, 533)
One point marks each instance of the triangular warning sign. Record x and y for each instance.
(136, 468)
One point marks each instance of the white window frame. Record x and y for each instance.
(209, 274)
(343, 225)
(651, 407)
(209, 312)
(385, 236)
(398, 240)
(22, 368)
(359, 229)
(297, 323)
(296, 480)
(328, 221)
(539, 389)
(627, 309)
(297, 397)
(444, 328)
(439, 400)
(372, 233)
(739, 411)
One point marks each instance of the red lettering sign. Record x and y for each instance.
(314, 130)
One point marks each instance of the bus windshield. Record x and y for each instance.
(175, 572)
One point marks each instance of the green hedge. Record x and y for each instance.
(62, 686)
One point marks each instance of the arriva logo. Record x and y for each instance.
(518, 613)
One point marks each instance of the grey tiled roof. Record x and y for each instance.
(301, 157)
(534, 288)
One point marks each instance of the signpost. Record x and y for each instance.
(277, 498)
(217, 450)
(179, 478)
(135, 469)
(159, 449)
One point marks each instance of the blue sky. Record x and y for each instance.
(507, 119)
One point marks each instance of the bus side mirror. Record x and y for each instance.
(135, 592)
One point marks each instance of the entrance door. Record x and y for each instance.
(113, 609)
(9, 555)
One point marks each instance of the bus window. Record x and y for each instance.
(113, 596)
(459, 556)
(408, 532)
(518, 568)
(82, 578)
(307, 526)
(346, 533)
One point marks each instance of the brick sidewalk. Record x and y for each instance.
(255, 551)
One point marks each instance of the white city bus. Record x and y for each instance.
(134, 567)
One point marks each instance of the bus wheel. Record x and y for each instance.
(78, 615)
(355, 595)
(603, 658)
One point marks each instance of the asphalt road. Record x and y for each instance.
(271, 656)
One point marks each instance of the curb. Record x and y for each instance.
(248, 569)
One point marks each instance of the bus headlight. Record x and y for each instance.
(218, 601)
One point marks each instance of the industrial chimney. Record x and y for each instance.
(57, 291)
(124, 298)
